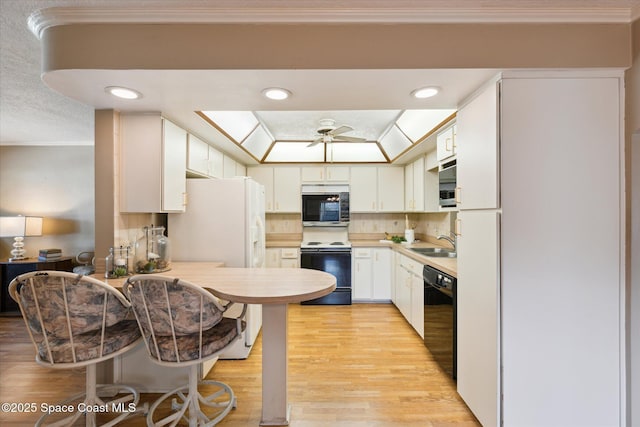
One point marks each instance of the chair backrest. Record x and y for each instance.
(175, 317)
(68, 316)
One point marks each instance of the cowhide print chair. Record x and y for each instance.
(77, 321)
(183, 324)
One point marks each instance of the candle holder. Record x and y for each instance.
(117, 262)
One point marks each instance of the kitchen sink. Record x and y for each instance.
(436, 252)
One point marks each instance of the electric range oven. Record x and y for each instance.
(334, 258)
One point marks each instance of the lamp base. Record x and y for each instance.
(18, 249)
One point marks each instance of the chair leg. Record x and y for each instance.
(188, 406)
(93, 406)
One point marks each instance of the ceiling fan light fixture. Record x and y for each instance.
(425, 92)
(123, 92)
(276, 93)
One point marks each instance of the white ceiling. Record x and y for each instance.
(32, 113)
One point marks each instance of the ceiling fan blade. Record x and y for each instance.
(349, 138)
(341, 129)
(316, 142)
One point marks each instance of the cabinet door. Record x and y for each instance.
(272, 257)
(418, 185)
(312, 173)
(477, 152)
(286, 189)
(174, 164)
(417, 304)
(409, 201)
(264, 175)
(140, 181)
(390, 189)
(337, 173)
(197, 155)
(478, 297)
(445, 144)
(229, 167)
(363, 195)
(215, 164)
(381, 270)
(362, 275)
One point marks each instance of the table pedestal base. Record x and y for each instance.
(275, 409)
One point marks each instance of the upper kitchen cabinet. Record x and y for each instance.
(376, 189)
(232, 168)
(153, 158)
(320, 174)
(477, 151)
(414, 190)
(281, 187)
(446, 143)
(203, 159)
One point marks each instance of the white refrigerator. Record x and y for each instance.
(224, 221)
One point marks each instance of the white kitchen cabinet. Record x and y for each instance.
(446, 144)
(372, 274)
(197, 155)
(478, 307)
(363, 191)
(409, 288)
(478, 153)
(376, 189)
(202, 159)
(417, 303)
(153, 160)
(414, 186)
(517, 301)
(215, 163)
(362, 274)
(281, 187)
(390, 186)
(320, 174)
(231, 168)
(283, 257)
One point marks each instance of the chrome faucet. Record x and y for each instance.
(448, 239)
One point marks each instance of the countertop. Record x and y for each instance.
(446, 265)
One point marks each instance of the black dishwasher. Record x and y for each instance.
(440, 318)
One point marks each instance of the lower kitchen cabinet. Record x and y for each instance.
(371, 274)
(409, 292)
(283, 257)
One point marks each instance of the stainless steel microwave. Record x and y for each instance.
(325, 205)
(447, 184)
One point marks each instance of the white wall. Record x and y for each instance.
(55, 183)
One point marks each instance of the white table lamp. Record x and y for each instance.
(18, 227)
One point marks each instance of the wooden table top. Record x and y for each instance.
(250, 285)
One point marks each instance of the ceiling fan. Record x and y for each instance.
(329, 132)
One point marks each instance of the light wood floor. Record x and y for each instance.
(358, 365)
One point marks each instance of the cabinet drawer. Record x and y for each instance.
(411, 265)
(289, 253)
(362, 253)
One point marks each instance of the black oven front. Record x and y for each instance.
(333, 261)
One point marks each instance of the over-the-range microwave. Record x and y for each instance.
(325, 205)
(447, 178)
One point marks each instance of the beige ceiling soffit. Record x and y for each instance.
(226, 135)
(54, 16)
(46, 143)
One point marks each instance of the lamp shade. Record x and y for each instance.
(20, 226)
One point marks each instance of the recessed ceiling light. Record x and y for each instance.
(425, 92)
(276, 93)
(123, 92)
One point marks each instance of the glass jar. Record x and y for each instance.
(153, 251)
(117, 262)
